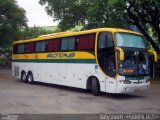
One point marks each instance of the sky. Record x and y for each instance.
(36, 13)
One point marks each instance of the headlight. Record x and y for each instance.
(125, 81)
(147, 81)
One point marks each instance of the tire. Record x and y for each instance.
(23, 77)
(95, 87)
(30, 78)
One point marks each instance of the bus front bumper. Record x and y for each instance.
(130, 88)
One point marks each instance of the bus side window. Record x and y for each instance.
(71, 43)
(29, 47)
(105, 40)
(53, 45)
(64, 44)
(68, 44)
(20, 48)
(41, 46)
(15, 50)
(86, 42)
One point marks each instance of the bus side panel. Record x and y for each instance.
(78, 74)
(35, 68)
(13, 69)
(17, 68)
(54, 73)
(111, 84)
(102, 79)
(68, 74)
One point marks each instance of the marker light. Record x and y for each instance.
(128, 71)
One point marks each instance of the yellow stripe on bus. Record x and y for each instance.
(55, 55)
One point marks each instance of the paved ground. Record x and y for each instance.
(19, 98)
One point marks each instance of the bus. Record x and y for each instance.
(107, 60)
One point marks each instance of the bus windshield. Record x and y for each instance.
(129, 40)
(135, 63)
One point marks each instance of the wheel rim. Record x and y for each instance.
(23, 77)
(30, 78)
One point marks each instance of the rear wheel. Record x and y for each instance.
(23, 77)
(30, 78)
(95, 87)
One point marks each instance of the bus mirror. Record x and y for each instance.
(121, 53)
(154, 54)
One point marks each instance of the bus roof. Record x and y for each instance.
(69, 33)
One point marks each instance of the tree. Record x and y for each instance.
(68, 12)
(28, 33)
(145, 14)
(89, 13)
(12, 18)
(102, 13)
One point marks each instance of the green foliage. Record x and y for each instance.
(28, 33)
(51, 28)
(12, 17)
(6, 59)
(145, 14)
(89, 13)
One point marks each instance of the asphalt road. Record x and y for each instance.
(22, 98)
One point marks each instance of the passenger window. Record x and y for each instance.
(20, 48)
(86, 42)
(15, 50)
(29, 47)
(68, 43)
(71, 44)
(64, 44)
(53, 45)
(41, 46)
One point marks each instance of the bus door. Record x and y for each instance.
(106, 59)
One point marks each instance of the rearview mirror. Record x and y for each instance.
(121, 53)
(154, 54)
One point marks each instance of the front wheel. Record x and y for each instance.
(30, 78)
(95, 87)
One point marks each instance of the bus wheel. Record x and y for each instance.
(23, 77)
(95, 87)
(30, 78)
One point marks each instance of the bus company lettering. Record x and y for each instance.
(61, 55)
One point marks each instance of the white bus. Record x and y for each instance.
(102, 60)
